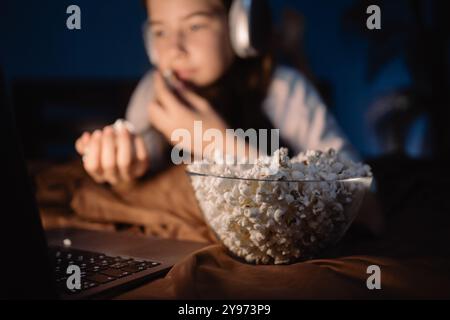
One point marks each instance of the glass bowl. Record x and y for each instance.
(267, 221)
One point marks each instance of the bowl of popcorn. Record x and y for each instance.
(280, 209)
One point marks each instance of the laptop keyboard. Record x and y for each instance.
(96, 268)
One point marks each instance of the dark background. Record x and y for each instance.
(76, 80)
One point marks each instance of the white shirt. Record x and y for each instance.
(292, 105)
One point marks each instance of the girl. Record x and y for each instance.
(191, 39)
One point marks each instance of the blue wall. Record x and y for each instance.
(36, 43)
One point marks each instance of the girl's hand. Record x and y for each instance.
(169, 112)
(113, 155)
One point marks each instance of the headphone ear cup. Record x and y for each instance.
(250, 26)
(239, 21)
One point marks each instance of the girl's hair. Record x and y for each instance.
(238, 95)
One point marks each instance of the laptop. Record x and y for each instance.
(66, 263)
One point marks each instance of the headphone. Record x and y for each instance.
(250, 25)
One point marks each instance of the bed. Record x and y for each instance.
(413, 253)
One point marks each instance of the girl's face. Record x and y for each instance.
(190, 37)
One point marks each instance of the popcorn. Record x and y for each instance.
(280, 210)
(118, 125)
(121, 123)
